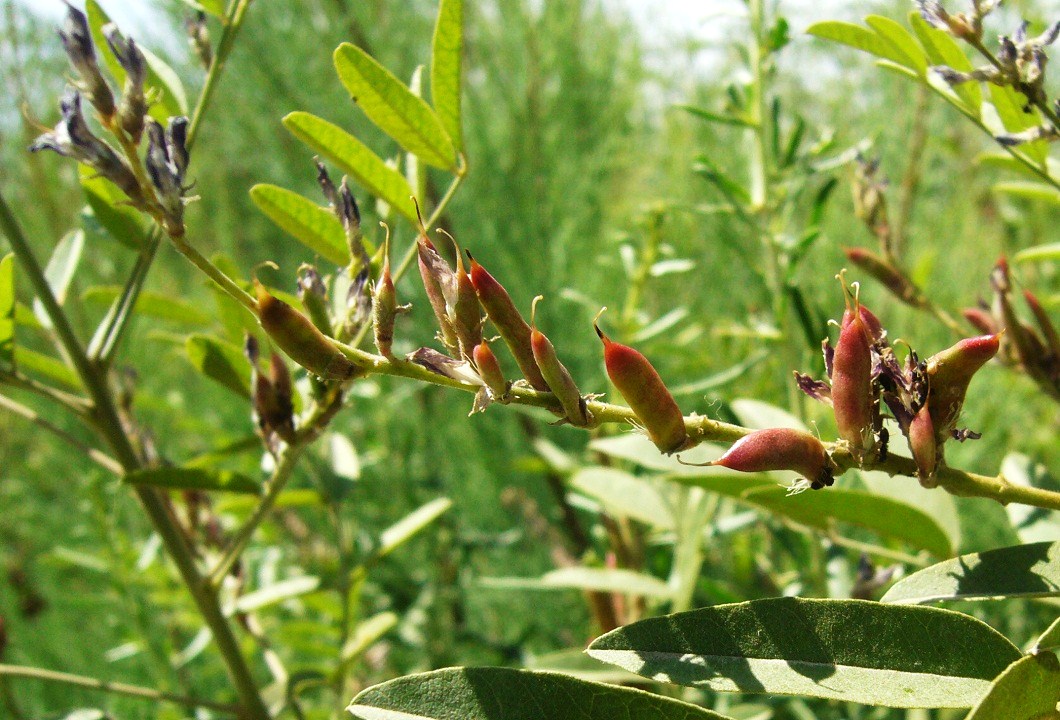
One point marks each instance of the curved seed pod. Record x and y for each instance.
(463, 307)
(1049, 332)
(489, 369)
(980, 319)
(948, 374)
(896, 282)
(853, 402)
(297, 336)
(556, 374)
(509, 322)
(780, 449)
(924, 446)
(384, 306)
(639, 383)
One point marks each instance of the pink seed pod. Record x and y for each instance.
(949, 373)
(556, 374)
(853, 401)
(924, 446)
(980, 319)
(437, 280)
(780, 449)
(489, 369)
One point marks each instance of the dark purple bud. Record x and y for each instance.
(1049, 36)
(962, 434)
(1007, 52)
(1020, 36)
(77, 41)
(444, 365)
(177, 144)
(326, 186)
(816, 389)
(165, 178)
(133, 105)
(829, 356)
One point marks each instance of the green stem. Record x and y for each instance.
(100, 458)
(116, 688)
(73, 403)
(226, 283)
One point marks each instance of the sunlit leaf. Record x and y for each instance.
(1010, 105)
(446, 67)
(508, 694)
(718, 118)
(60, 271)
(313, 226)
(900, 39)
(366, 634)
(1031, 570)
(851, 650)
(409, 526)
(1050, 639)
(1028, 689)
(391, 105)
(220, 361)
(759, 415)
(46, 367)
(1029, 190)
(942, 49)
(194, 478)
(277, 592)
(617, 580)
(7, 309)
(859, 38)
(1048, 252)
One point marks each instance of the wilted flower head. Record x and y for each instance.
(166, 161)
(77, 41)
(133, 106)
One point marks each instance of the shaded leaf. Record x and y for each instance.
(1039, 253)
(7, 309)
(940, 506)
(220, 361)
(194, 478)
(354, 158)
(1031, 570)
(1028, 690)
(850, 650)
(584, 578)
(446, 67)
(624, 495)
(508, 694)
(1029, 190)
(394, 108)
(1049, 639)
(121, 221)
(313, 226)
(1010, 106)
(60, 271)
(718, 118)
(151, 304)
(46, 367)
(576, 663)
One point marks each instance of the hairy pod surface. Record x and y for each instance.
(384, 307)
(924, 446)
(949, 372)
(300, 339)
(780, 449)
(489, 369)
(852, 395)
(558, 377)
(509, 322)
(639, 383)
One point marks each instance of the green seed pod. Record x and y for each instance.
(509, 322)
(780, 449)
(924, 446)
(639, 383)
(556, 374)
(489, 369)
(949, 372)
(297, 336)
(853, 401)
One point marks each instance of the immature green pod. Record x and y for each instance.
(509, 322)
(556, 374)
(853, 401)
(949, 373)
(639, 383)
(385, 307)
(780, 449)
(489, 369)
(297, 336)
(924, 446)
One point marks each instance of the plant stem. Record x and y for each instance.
(73, 403)
(117, 688)
(200, 261)
(100, 458)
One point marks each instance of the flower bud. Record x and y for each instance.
(924, 446)
(77, 41)
(556, 374)
(896, 282)
(199, 38)
(165, 175)
(640, 385)
(780, 449)
(133, 105)
(853, 400)
(949, 373)
(489, 369)
(297, 336)
(509, 322)
(384, 305)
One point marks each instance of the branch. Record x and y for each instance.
(97, 456)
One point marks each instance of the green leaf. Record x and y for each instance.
(120, 221)
(575, 663)
(759, 415)
(60, 271)
(391, 105)
(638, 449)
(313, 226)
(446, 67)
(900, 39)
(405, 529)
(719, 118)
(151, 304)
(1031, 524)
(941, 507)
(1029, 190)
(1031, 570)
(214, 7)
(851, 650)
(355, 159)
(366, 634)
(194, 478)
(1049, 639)
(1027, 690)
(160, 77)
(859, 38)
(1039, 253)
(277, 592)
(624, 495)
(1009, 104)
(584, 578)
(46, 366)
(220, 361)
(7, 309)
(508, 694)
(942, 49)
(722, 378)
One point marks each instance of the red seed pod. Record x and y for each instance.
(949, 373)
(489, 369)
(853, 400)
(924, 446)
(385, 308)
(896, 282)
(780, 449)
(980, 319)
(1049, 332)
(463, 307)
(509, 322)
(556, 374)
(639, 383)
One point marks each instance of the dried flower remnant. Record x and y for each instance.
(77, 41)
(646, 393)
(556, 374)
(272, 396)
(133, 106)
(166, 160)
(967, 26)
(780, 449)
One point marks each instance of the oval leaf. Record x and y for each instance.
(354, 158)
(60, 271)
(7, 309)
(394, 108)
(46, 366)
(1038, 253)
(507, 694)
(119, 220)
(624, 495)
(859, 38)
(187, 478)
(851, 650)
(942, 49)
(313, 226)
(1027, 690)
(220, 361)
(277, 592)
(446, 73)
(900, 39)
(1019, 571)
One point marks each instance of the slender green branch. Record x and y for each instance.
(74, 403)
(97, 456)
(200, 261)
(117, 688)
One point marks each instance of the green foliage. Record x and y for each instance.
(313, 226)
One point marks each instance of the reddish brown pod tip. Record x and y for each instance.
(780, 449)
(556, 374)
(642, 387)
(853, 401)
(949, 372)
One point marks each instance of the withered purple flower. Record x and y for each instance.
(166, 176)
(77, 41)
(133, 105)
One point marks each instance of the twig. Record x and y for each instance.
(97, 456)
